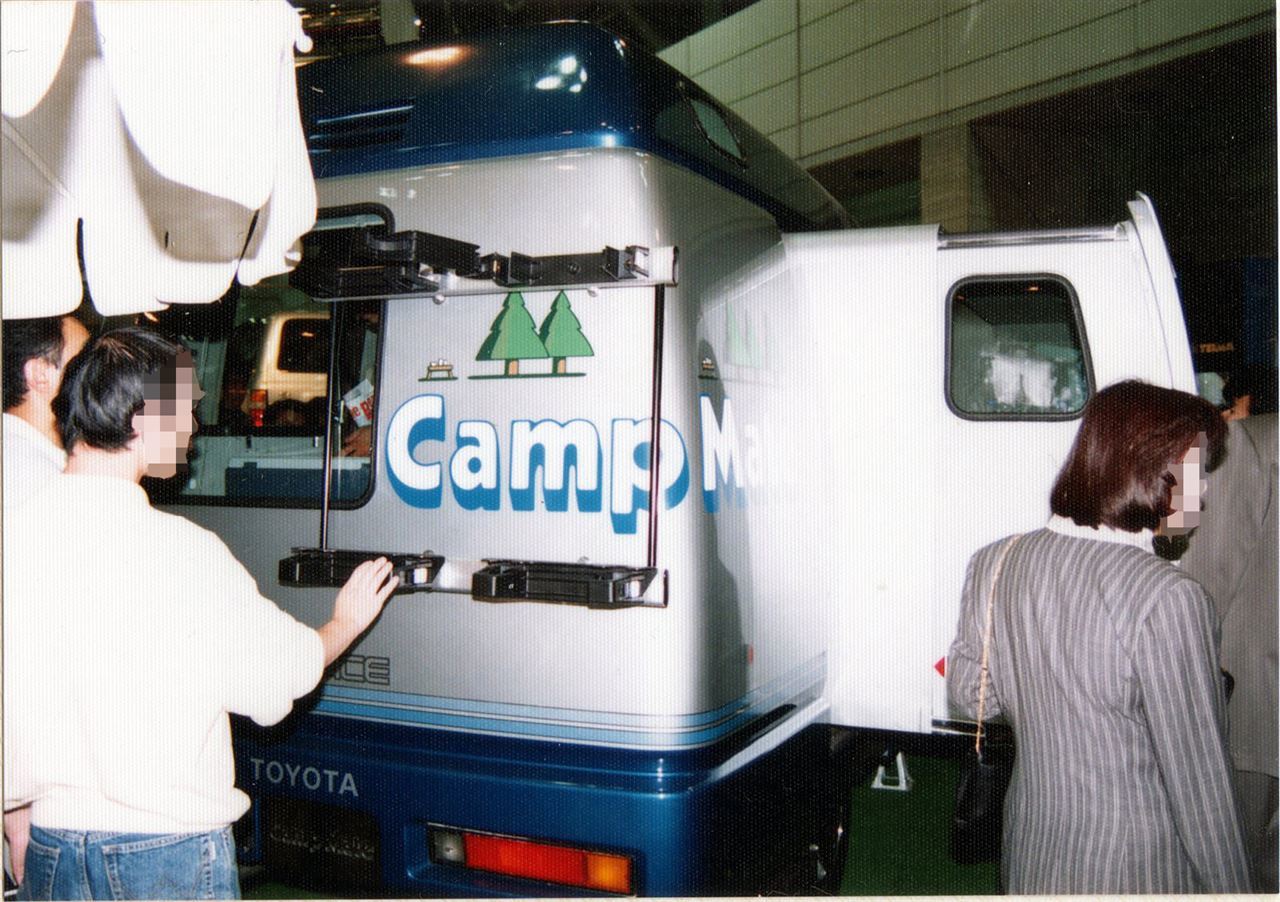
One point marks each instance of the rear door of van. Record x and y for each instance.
(1033, 328)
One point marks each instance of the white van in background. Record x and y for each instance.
(293, 366)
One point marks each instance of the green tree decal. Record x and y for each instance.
(561, 334)
(512, 337)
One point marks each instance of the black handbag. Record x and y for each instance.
(978, 819)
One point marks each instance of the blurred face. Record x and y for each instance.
(1187, 491)
(167, 423)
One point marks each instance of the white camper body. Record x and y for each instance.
(914, 485)
(845, 417)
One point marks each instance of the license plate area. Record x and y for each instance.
(313, 844)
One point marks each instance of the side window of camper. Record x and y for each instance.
(1016, 349)
(696, 124)
(263, 362)
(717, 130)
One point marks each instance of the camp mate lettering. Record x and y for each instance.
(558, 466)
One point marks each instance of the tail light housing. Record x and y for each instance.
(257, 406)
(519, 857)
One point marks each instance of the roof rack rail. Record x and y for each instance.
(1008, 239)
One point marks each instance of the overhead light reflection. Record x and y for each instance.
(436, 56)
(564, 73)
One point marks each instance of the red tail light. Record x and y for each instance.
(565, 865)
(257, 406)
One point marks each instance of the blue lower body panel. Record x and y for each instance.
(343, 802)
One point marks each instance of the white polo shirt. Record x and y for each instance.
(129, 635)
(29, 459)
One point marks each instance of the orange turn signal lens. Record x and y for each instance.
(611, 873)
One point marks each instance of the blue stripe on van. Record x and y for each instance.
(330, 164)
(569, 725)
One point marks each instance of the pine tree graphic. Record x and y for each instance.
(561, 335)
(512, 337)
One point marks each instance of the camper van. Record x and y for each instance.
(681, 473)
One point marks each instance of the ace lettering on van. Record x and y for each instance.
(562, 460)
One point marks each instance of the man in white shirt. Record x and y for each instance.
(36, 352)
(130, 635)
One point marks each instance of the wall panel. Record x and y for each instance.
(869, 72)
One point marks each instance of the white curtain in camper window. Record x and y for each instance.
(163, 126)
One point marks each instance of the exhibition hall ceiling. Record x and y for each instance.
(349, 25)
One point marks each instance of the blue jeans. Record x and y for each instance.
(73, 864)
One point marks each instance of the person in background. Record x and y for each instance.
(1234, 556)
(1250, 390)
(1104, 662)
(130, 634)
(359, 364)
(36, 352)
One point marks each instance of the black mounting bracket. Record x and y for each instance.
(595, 585)
(333, 567)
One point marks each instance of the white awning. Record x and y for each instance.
(165, 127)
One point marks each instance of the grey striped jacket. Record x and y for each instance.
(1104, 662)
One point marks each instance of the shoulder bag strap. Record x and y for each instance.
(986, 642)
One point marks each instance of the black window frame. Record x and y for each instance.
(1073, 298)
(169, 491)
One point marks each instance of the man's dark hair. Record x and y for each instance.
(109, 382)
(1118, 473)
(23, 340)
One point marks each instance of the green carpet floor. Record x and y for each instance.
(898, 840)
(897, 846)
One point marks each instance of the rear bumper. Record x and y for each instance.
(339, 801)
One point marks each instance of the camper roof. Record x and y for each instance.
(540, 89)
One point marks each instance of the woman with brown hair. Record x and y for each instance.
(1104, 661)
